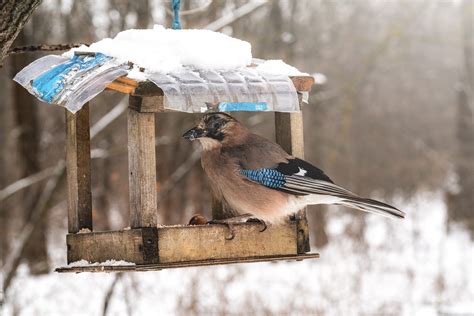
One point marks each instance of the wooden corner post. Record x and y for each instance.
(142, 167)
(78, 165)
(289, 135)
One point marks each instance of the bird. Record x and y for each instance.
(255, 178)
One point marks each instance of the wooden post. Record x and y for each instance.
(142, 167)
(289, 135)
(78, 165)
(217, 208)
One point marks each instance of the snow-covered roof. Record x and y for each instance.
(191, 67)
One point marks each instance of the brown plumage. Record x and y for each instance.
(276, 184)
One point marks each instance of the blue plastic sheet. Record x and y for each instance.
(70, 82)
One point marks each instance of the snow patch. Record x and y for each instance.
(279, 67)
(85, 263)
(165, 50)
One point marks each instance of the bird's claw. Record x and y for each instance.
(229, 226)
(260, 221)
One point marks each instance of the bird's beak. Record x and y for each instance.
(194, 133)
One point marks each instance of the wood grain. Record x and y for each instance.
(78, 165)
(174, 265)
(289, 135)
(190, 243)
(172, 244)
(142, 169)
(126, 245)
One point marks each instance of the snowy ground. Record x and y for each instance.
(409, 267)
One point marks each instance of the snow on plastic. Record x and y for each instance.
(165, 50)
(192, 67)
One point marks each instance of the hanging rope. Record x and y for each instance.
(176, 25)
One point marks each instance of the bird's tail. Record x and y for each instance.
(371, 206)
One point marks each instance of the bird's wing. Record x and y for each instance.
(296, 184)
(296, 176)
(264, 162)
(267, 164)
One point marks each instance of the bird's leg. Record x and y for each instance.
(229, 223)
(260, 221)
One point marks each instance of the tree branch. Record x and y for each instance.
(42, 47)
(235, 15)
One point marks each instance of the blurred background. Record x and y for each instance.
(390, 117)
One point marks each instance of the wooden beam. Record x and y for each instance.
(188, 243)
(78, 165)
(148, 104)
(198, 263)
(289, 135)
(120, 87)
(135, 245)
(302, 83)
(142, 168)
(171, 244)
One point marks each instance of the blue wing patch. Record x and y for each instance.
(268, 177)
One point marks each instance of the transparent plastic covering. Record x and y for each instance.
(73, 82)
(70, 82)
(239, 90)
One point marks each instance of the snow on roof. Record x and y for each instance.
(167, 50)
(192, 67)
(161, 50)
(278, 67)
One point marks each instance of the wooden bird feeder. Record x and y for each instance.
(147, 244)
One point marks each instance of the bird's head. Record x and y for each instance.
(215, 130)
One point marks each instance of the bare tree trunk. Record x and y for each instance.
(26, 116)
(13, 16)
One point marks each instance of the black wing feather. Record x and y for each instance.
(293, 167)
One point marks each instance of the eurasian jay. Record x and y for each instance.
(255, 177)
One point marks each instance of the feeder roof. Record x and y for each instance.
(189, 68)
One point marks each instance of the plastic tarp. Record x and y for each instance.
(239, 90)
(73, 82)
(69, 82)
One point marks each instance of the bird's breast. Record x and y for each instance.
(242, 195)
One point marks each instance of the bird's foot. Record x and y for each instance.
(228, 224)
(260, 221)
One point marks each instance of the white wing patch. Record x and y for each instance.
(301, 172)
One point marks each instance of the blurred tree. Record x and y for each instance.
(13, 16)
(461, 203)
(26, 117)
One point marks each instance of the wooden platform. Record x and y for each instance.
(186, 264)
(183, 243)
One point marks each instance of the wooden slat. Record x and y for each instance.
(208, 242)
(217, 208)
(142, 168)
(136, 245)
(128, 81)
(120, 87)
(289, 135)
(168, 244)
(199, 263)
(148, 104)
(78, 165)
(303, 83)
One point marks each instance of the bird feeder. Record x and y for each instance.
(147, 245)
